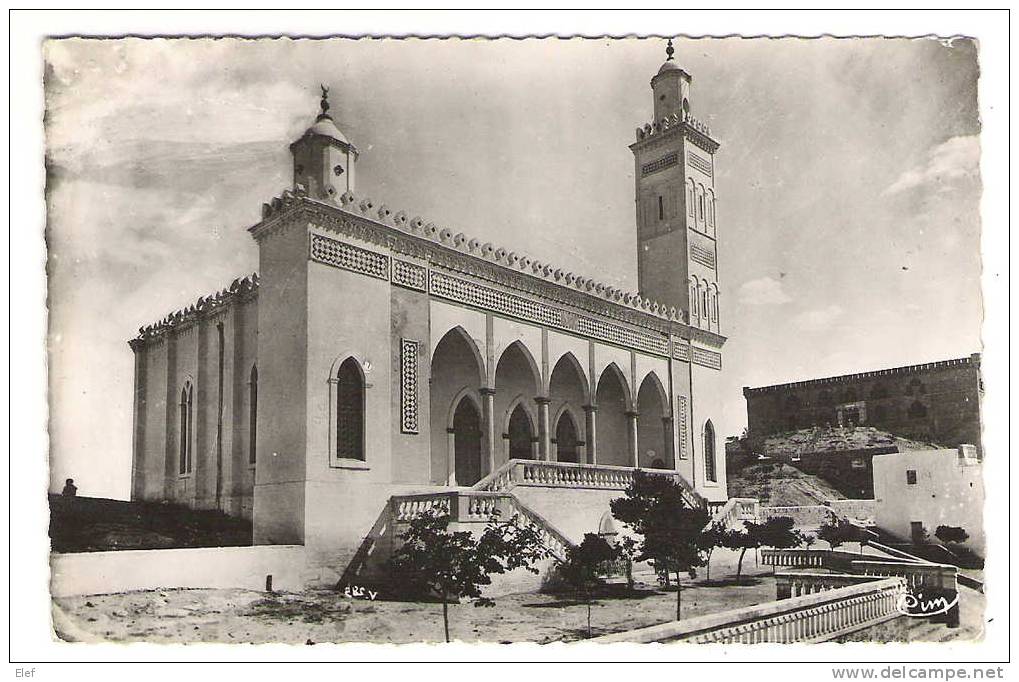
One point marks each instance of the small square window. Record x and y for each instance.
(910, 477)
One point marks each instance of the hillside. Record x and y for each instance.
(835, 439)
(90, 524)
(777, 484)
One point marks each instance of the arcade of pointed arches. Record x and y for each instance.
(477, 425)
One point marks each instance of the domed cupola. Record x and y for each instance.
(324, 158)
(671, 87)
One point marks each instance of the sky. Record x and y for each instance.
(847, 179)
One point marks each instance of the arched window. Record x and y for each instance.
(714, 303)
(252, 413)
(915, 387)
(690, 198)
(700, 204)
(350, 411)
(711, 208)
(710, 471)
(186, 427)
(917, 410)
(694, 299)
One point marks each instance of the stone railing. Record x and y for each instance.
(817, 617)
(808, 558)
(806, 516)
(860, 510)
(789, 585)
(568, 475)
(928, 578)
(734, 511)
(478, 506)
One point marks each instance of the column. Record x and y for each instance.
(450, 457)
(631, 429)
(488, 407)
(544, 438)
(590, 439)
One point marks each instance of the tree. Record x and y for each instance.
(775, 532)
(669, 530)
(454, 565)
(580, 568)
(951, 535)
(714, 536)
(837, 531)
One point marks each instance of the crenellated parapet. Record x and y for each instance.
(241, 289)
(397, 225)
(697, 131)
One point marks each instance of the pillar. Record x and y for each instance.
(631, 429)
(450, 456)
(591, 430)
(488, 407)
(544, 438)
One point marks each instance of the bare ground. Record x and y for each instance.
(314, 616)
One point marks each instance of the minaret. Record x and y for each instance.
(324, 158)
(675, 202)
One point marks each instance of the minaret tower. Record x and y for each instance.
(324, 158)
(674, 157)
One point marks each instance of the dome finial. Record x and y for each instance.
(324, 114)
(669, 51)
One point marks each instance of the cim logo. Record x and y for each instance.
(916, 606)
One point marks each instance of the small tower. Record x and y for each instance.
(324, 158)
(674, 158)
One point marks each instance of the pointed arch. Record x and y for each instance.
(567, 435)
(566, 364)
(466, 430)
(518, 349)
(348, 410)
(520, 429)
(186, 425)
(614, 401)
(458, 335)
(613, 370)
(710, 459)
(654, 383)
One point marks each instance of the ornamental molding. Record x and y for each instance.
(468, 257)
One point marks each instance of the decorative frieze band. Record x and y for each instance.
(706, 358)
(410, 275)
(682, 408)
(680, 350)
(463, 291)
(699, 162)
(341, 255)
(666, 161)
(408, 386)
(703, 255)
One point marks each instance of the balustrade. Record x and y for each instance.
(814, 617)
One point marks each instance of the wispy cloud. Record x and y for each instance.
(956, 159)
(818, 319)
(763, 291)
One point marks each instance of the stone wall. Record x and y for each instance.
(936, 402)
(243, 568)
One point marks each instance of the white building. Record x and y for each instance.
(919, 490)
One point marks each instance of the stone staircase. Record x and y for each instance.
(521, 489)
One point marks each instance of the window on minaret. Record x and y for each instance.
(350, 411)
(661, 208)
(186, 427)
(700, 206)
(690, 198)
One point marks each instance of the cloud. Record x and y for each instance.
(818, 319)
(763, 291)
(957, 159)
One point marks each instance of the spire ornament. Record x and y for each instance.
(669, 51)
(324, 104)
